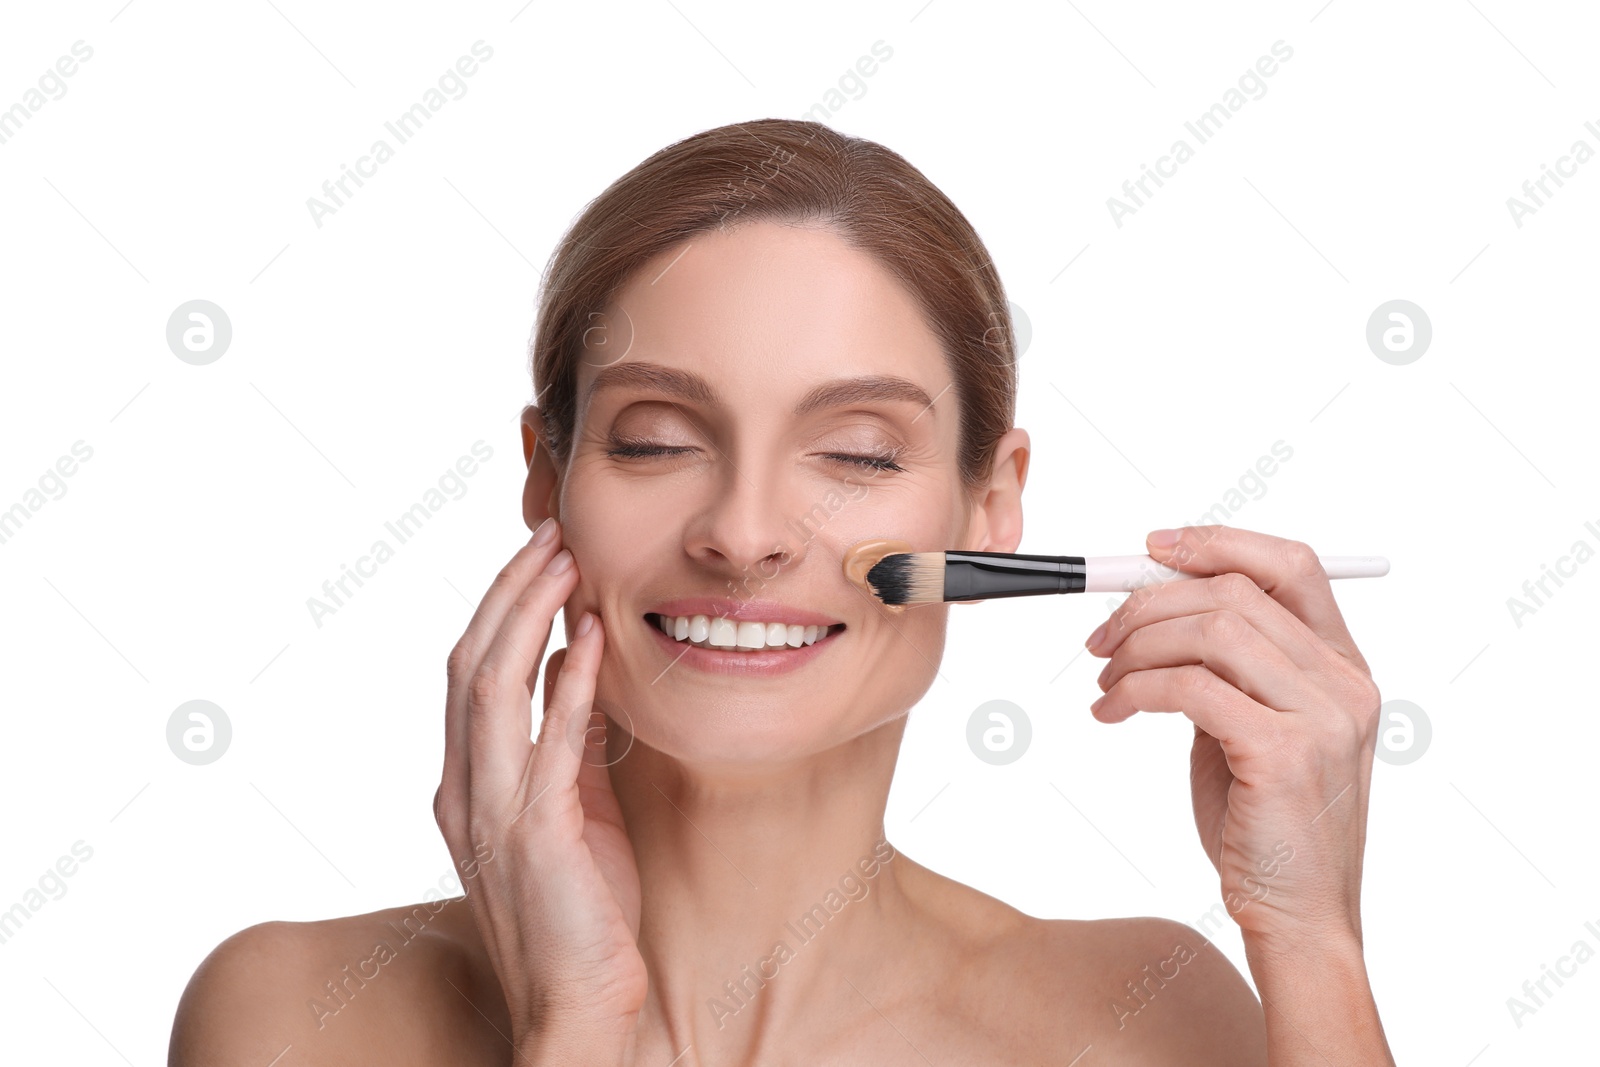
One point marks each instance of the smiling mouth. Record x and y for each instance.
(729, 635)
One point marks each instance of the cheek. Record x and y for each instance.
(898, 663)
(613, 552)
(912, 639)
(923, 511)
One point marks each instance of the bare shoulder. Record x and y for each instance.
(1149, 991)
(1137, 991)
(397, 986)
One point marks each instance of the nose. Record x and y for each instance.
(746, 531)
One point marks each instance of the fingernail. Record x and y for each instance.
(585, 624)
(1101, 681)
(1095, 707)
(559, 562)
(544, 531)
(1096, 637)
(1163, 538)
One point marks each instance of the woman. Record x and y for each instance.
(763, 345)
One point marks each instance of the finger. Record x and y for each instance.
(558, 757)
(1223, 592)
(552, 671)
(468, 652)
(499, 695)
(1288, 571)
(1243, 727)
(528, 561)
(1226, 643)
(592, 741)
(594, 780)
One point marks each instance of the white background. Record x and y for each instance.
(1166, 356)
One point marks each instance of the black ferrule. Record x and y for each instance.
(990, 575)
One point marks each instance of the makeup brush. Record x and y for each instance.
(903, 578)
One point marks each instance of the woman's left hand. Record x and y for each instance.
(1286, 716)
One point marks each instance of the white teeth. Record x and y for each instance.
(712, 631)
(752, 634)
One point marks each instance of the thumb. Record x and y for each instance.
(1164, 547)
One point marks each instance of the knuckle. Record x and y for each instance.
(1128, 686)
(483, 689)
(1196, 683)
(1347, 732)
(447, 817)
(1225, 628)
(459, 662)
(1235, 589)
(1343, 721)
(1302, 559)
(1368, 704)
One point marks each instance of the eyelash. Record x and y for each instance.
(884, 462)
(879, 463)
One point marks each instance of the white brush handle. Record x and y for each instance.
(1123, 574)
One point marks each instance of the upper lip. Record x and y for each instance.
(743, 610)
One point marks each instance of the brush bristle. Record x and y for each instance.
(908, 578)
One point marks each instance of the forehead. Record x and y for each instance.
(767, 311)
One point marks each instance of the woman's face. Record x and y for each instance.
(751, 405)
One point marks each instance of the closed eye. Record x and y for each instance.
(879, 463)
(632, 451)
(644, 451)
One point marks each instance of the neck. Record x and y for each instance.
(761, 885)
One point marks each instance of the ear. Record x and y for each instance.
(541, 492)
(994, 523)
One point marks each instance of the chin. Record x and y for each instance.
(725, 723)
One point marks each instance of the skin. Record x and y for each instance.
(621, 867)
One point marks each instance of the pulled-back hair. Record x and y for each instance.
(791, 171)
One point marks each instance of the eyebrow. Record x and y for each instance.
(686, 385)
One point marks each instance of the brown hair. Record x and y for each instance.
(786, 170)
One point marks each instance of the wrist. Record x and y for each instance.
(1338, 947)
(542, 1046)
(1312, 967)
(1316, 998)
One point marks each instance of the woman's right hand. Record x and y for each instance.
(535, 829)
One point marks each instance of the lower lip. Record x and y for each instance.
(716, 661)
